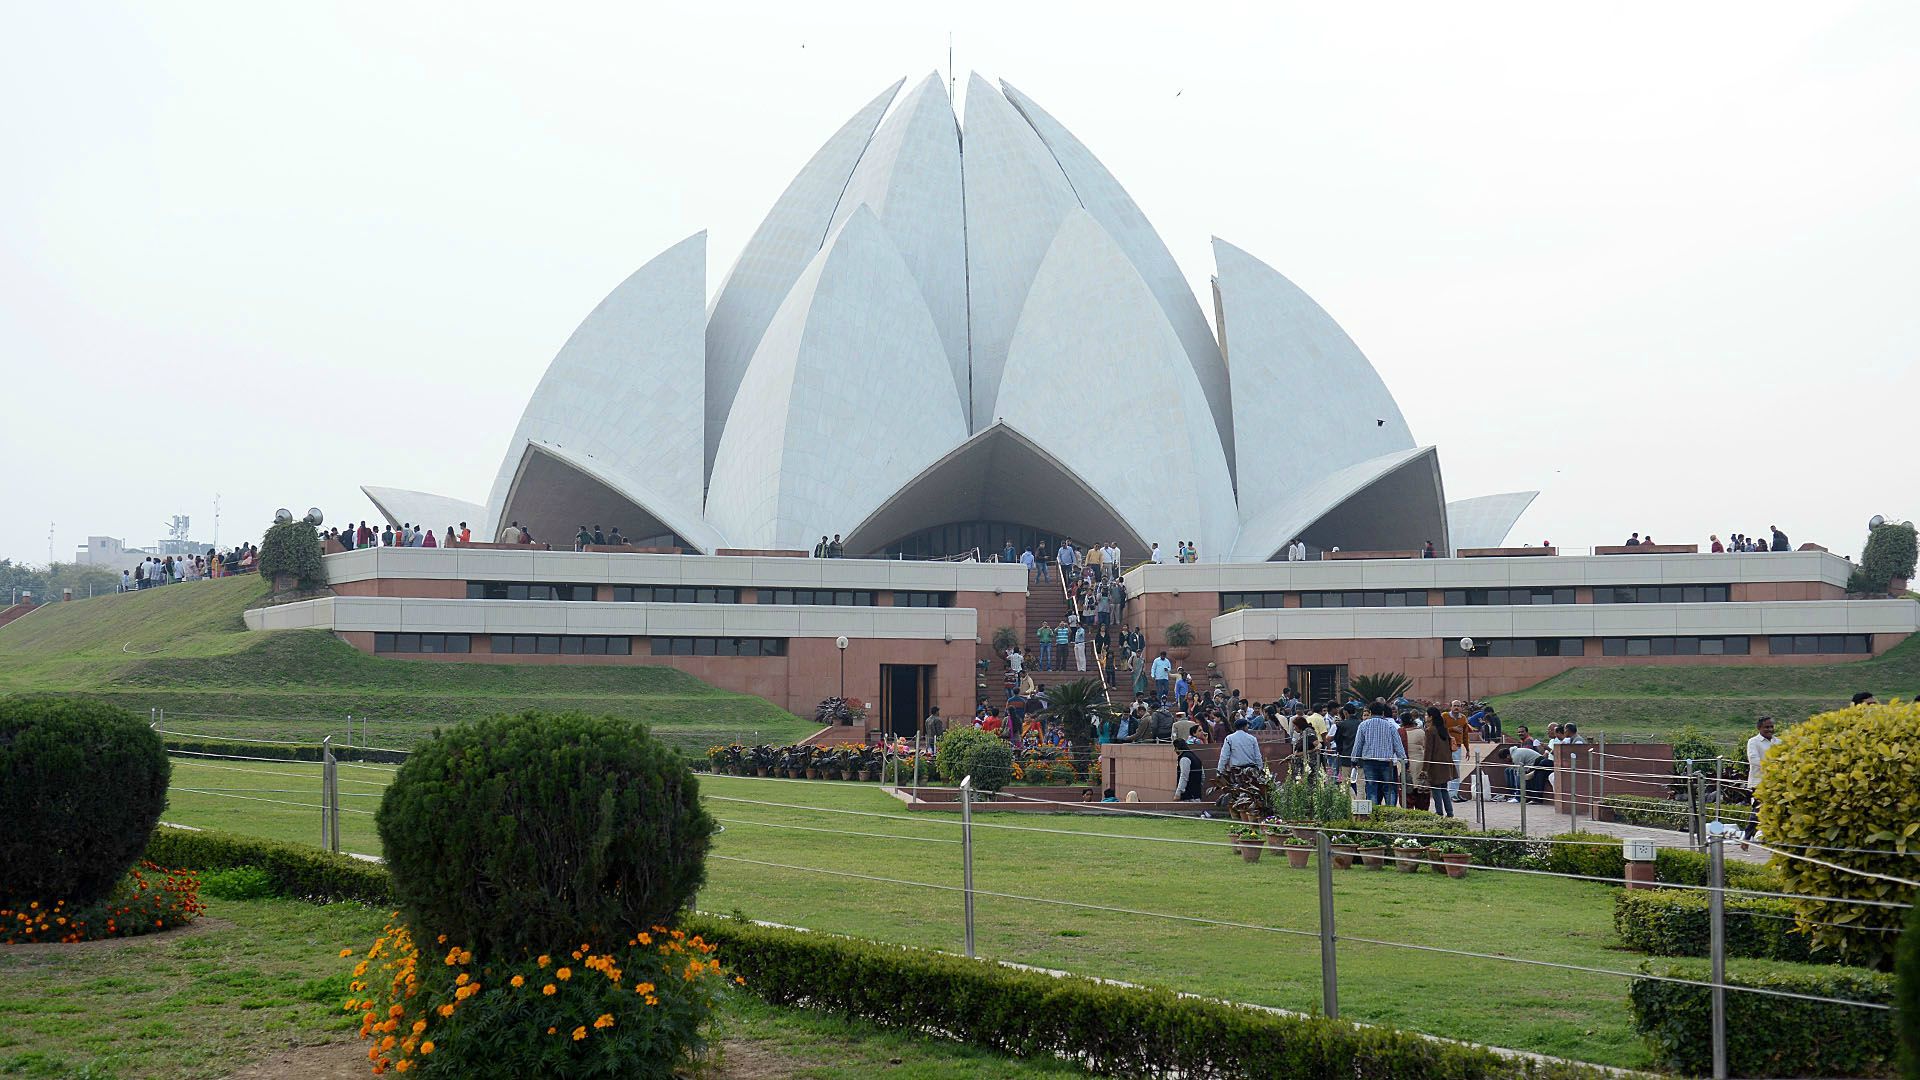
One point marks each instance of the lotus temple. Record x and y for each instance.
(887, 362)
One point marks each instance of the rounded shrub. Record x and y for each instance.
(515, 834)
(1848, 779)
(82, 784)
(969, 751)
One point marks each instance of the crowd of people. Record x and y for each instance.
(156, 570)
(408, 535)
(1742, 542)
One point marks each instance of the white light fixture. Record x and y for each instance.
(840, 642)
(1466, 644)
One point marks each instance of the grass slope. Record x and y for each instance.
(184, 649)
(1722, 700)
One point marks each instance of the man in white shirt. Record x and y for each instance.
(1155, 557)
(1758, 747)
(1160, 672)
(1014, 660)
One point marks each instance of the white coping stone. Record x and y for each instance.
(1755, 619)
(425, 615)
(1541, 571)
(470, 564)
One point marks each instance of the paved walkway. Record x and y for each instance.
(1543, 820)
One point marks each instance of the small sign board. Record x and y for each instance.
(1362, 807)
(1638, 849)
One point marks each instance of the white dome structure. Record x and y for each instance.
(889, 360)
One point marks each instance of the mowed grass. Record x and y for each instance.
(1651, 703)
(805, 854)
(263, 976)
(184, 649)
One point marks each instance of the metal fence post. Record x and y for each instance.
(326, 840)
(1329, 973)
(330, 792)
(349, 729)
(966, 853)
(1717, 948)
(916, 766)
(1573, 795)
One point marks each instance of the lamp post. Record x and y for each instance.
(841, 644)
(1466, 646)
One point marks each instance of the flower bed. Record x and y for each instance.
(1046, 766)
(148, 900)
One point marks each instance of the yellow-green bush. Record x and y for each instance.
(1848, 779)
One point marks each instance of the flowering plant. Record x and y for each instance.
(641, 1008)
(149, 899)
(1407, 843)
(1239, 831)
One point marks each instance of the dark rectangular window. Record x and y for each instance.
(821, 597)
(675, 594)
(518, 590)
(1820, 644)
(552, 644)
(1501, 597)
(420, 643)
(1661, 594)
(714, 646)
(1356, 598)
(911, 598)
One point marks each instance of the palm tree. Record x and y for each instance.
(1383, 685)
(1079, 705)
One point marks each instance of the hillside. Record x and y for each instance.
(1722, 700)
(184, 649)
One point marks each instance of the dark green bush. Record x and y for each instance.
(1651, 813)
(239, 883)
(1767, 1035)
(296, 871)
(293, 549)
(1674, 922)
(1906, 996)
(1678, 866)
(515, 834)
(969, 751)
(1595, 855)
(81, 785)
(1107, 1029)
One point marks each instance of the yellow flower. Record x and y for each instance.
(643, 988)
(605, 1021)
(549, 989)
(344, 953)
(579, 1033)
(519, 981)
(563, 974)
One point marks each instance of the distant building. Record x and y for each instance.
(109, 552)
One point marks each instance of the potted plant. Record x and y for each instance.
(1340, 846)
(1246, 839)
(1408, 854)
(1179, 640)
(1454, 858)
(1297, 848)
(1004, 639)
(1373, 853)
(1276, 831)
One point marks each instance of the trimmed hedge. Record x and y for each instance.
(1651, 813)
(1675, 922)
(1906, 1005)
(1108, 1030)
(284, 753)
(1767, 1035)
(1678, 866)
(1603, 857)
(297, 871)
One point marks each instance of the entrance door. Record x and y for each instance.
(1316, 683)
(906, 693)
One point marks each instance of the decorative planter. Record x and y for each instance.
(1297, 856)
(1407, 860)
(1342, 856)
(813, 773)
(759, 770)
(1373, 858)
(1178, 653)
(1456, 863)
(1249, 850)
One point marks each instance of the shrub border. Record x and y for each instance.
(280, 751)
(1776, 1036)
(298, 872)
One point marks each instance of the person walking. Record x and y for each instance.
(1758, 747)
(1080, 648)
(1162, 671)
(1377, 747)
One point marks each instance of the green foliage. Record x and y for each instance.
(1004, 638)
(1848, 779)
(1906, 996)
(1678, 866)
(1179, 634)
(239, 883)
(49, 585)
(969, 751)
(296, 871)
(147, 900)
(1652, 813)
(1891, 552)
(512, 833)
(1692, 744)
(1078, 705)
(1768, 1035)
(293, 549)
(1593, 855)
(1107, 1029)
(1313, 797)
(81, 785)
(1674, 922)
(1382, 685)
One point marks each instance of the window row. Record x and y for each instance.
(915, 598)
(719, 646)
(563, 644)
(1477, 597)
(840, 597)
(1661, 594)
(675, 594)
(1674, 646)
(1231, 600)
(1785, 644)
(1507, 647)
(422, 643)
(523, 590)
(1369, 598)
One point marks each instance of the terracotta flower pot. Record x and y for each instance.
(1249, 850)
(1373, 858)
(1407, 860)
(1178, 653)
(1297, 856)
(1456, 863)
(1342, 856)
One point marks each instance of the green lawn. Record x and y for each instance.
(184, 649)
(1091, 861)
(1653, 702)
(264, 976)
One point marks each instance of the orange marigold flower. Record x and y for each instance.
(544, 960)
(397, 1010)
(551, 1030)
(563, 974)
(643, 988)
(344, 953)
(426, 1047)
(579, 1033)
(519, 981)
(462, 980)
(402, 1065)
(549, 989)
(605, 1020)
(446, 1010)
(739, 981)
(419, 1026)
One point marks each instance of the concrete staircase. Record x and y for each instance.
(1047, 603)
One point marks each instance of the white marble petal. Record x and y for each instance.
(1485, 520)
(1115, 210)
(1290, 360)
(787, 239)
(1016, 198)
(1391, 503)
(401, 506)
(627, 387)
(845, 402)
(554, 490)
(910, 178)
(1090, 313)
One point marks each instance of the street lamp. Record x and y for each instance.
(1466, 646)
(841, 644)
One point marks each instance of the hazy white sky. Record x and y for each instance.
(1658, 261)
